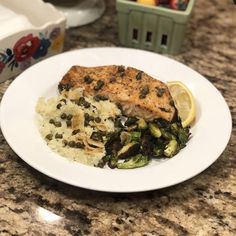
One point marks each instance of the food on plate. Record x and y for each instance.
(75, 126)
(137, 93)
(113, 116)
(184, 101)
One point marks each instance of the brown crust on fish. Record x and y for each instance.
(138, 93)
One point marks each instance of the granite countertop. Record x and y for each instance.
(34, 204)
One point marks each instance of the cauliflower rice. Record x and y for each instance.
(75, 126)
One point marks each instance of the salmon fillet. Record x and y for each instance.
(138, 93)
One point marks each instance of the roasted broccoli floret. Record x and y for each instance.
(128, 150)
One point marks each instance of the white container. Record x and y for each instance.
(29, 32)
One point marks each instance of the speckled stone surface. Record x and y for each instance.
(34, 204)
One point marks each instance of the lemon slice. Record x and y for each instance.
(184, 101)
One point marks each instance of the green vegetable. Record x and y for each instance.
(112, 162)
(135, 135)
(125, 137)
(183, 136)
(142, 124)
(128, 150)
(158, 151)
(103, 161)
(155, 131)
(130, 121)
(171, 148)
(174, 129)
(134, 162)
(167, 135)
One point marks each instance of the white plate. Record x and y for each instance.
(210, 133)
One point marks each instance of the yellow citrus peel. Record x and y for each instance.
(184, 101)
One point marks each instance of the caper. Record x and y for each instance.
(144, 91)
(49, 136)
(139, 75)
(97, 136)
(51, 121)
(63, 100)
(160, 91)
(63, 116)
(99, 85)
(69, 117)
(59, 136)
(59, 106)
(68, 123)
(79, 145)
(86, 119)
(88, 79)
(86, 104)
(67, 87)
(98, 119)
(86, 116)
(99, 97)
(80, 102)
(65, 142)
(57, 123)
(76, 131)
(130, 121)
(72, 144)
(91, 118)
(121, 69)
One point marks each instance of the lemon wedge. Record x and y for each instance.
(184, 101)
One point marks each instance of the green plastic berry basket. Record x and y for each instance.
(152, 28)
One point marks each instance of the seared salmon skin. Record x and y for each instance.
(135, 91)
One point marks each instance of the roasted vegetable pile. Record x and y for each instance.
(136, 142)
